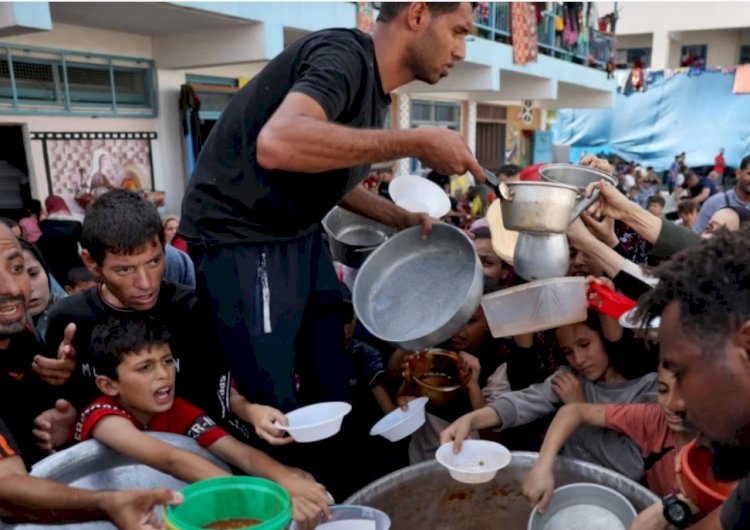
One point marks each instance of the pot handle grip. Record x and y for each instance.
(584, 204)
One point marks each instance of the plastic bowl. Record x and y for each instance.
(316, 422)
(352, 517)
(417, 194)
(225, 498)
(439, 374)
(698, 480)
(399, 424)
(536, 306)
(600, 507)
(477, 462)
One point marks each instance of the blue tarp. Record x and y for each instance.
(695, 113)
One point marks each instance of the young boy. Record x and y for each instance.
(136, 374)
(658, 432)
(79, 280)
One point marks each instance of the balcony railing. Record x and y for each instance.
(492, 22)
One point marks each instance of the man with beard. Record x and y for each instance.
(25, 498)
(738, 196)
(703, 298)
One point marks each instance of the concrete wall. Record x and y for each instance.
(644, 40)
(649, 17)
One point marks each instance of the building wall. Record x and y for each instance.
(644, 40)
(723, 45)
(517, 146)
(651, 16)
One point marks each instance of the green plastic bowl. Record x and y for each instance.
(223, 498)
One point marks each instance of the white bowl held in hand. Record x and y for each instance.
(477, 462)
(399, 424)
(316, 422)
(417, 194)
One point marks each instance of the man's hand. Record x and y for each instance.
(424, 219)
(456, 432)
(596, 163)
(58, 371)
(52, 427)
(134, 509)
(603, 229)
(262, 418)
(446, 152)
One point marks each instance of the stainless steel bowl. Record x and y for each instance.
(417, 293)
(601, 507)
(91, 465)
(541, 256)
(573, 175)
(352, 237)
(537, 206)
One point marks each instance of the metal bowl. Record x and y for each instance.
(416, 293)
(573, 175)
(543, 207)
(439, 374)
(352, 237)
(91, 465)
(601, 507)
(425, 495)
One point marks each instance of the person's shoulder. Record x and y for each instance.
(176, 294)
(79, 305)
(337, 40)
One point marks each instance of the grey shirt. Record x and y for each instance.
(600, 446)
(715, 203)
(735, 513)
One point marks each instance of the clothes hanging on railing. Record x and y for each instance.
(524, 30)
(190, 106)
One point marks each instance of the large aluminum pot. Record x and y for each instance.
(91, 465)
(538, 206)
(416, 293)
(351, 237)
(573, 175)
(425, 497)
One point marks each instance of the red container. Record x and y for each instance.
(607, 301)
(698, 480)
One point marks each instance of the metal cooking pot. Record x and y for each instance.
(544, 207)
(352, 237)
(540, 256)
(425, 496)
(91, 465)
(572, 175)
(417, 293)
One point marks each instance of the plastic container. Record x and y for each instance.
(352, 517)
(600, 507)
(477, 462)
(439, 374)
(609, 302)
(417, 194)
(536, 306)
(226, 498)
(698, 480)
(399, 424)
(316, 422)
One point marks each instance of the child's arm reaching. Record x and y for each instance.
(540, 482)
(121, 435)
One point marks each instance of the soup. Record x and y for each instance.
(228, 524)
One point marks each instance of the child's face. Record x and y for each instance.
(655, 208)
(79, 287)
(583, 350)
(146, 380)
(665, 386)
(471, 337)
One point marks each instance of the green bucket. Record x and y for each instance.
(225, 498)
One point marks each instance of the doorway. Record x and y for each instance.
(15, 189)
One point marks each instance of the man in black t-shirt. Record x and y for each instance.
(293, 143)
(703, 298)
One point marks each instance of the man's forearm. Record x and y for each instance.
(361, 201)
(311, 145)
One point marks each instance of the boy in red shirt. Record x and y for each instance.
(136, 375)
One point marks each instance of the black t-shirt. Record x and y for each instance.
(735, 514)
(704, 182)
(22, 395)
(230, 197)
(8, 445)
(202, 374)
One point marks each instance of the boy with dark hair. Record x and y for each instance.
(655, 205)
(79, 280)
(136, 374)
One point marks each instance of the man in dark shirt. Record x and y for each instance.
(294, 142)
(703, 298)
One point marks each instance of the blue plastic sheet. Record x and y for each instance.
(695, 113)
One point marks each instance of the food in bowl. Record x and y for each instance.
(439, 374)
(476, 463)
(229, 524)
(698, 480)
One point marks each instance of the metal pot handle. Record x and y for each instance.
(584, 204)
(368, 249)
(504, 192)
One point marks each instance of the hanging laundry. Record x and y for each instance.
(742, 80)
(524, 30)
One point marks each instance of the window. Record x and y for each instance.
(64, 82)
(626, 57)
(435, 114)
(214, 93)
(744, 54)
(694, 55)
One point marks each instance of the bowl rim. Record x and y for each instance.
(447, 448)
(348, 409)
(692, 477)
(442, 352)
(420, 402)
(536, 514)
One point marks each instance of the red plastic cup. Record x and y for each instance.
(607, 301)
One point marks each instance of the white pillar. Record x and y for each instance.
(403, 122)
(471, 126)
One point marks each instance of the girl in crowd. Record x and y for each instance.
(45, 290)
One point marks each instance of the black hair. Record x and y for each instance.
(509, 170)
(482, 232)
(438, 178)
(120, 222)
(79, 275)
(29, 247)
(34, 207)
(111, 341)
(10, 223)
(390, 10)
(687, 206)
(658, 199)
(710, 283)
(745, 163)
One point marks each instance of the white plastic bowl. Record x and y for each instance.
(477, 462)
(316, 422)
(399, 424)
(417, 194)
(353, 517)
